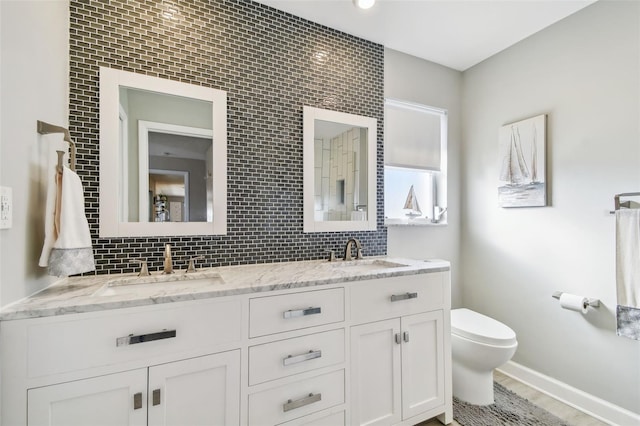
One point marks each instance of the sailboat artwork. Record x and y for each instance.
(522, 168)
(412, 204)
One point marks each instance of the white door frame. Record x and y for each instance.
(144, 128)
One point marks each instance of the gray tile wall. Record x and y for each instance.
(267, 62)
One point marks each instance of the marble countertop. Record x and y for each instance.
(102, 292)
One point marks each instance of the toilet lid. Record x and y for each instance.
(480, 328)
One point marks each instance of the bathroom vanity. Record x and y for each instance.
(297, 343)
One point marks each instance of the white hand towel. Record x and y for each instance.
(52, 219)
(628, 272)
(71, 252)
(628, 257)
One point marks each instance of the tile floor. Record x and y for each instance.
(569, 414)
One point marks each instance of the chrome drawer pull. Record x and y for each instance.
(291, 359)
(292, 405)
(396, 297)
(155, 397)
(141, 338)
(301, 312)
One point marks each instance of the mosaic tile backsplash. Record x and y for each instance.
(271, 64)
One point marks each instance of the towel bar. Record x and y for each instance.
(46, 128)
(623, 204)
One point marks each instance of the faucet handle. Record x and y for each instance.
(332, 255)
(192, 267)
(144, 270)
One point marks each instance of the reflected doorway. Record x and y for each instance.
(181, 188)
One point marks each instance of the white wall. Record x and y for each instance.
(413, 79)
(584, 72)
(34, 74)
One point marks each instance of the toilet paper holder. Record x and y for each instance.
(594, 303)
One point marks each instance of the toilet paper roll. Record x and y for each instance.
(573, 302)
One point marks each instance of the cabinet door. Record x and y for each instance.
(422, 363)
(375, 373)
(99, 401)
(197, 391)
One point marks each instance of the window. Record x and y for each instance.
(415, 152)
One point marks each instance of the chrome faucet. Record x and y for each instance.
(347, 249)
(168, 262)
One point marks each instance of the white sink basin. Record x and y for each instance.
(362, 265)
(177, 283)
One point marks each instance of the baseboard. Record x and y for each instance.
(587, 403)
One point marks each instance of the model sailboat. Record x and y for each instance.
(412, 204)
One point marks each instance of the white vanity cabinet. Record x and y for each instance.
(400, 350)
(157, 365)
(105, 400)
(197, 391)
(351, 351)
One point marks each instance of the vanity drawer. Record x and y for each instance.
(82, 341)
(396, 296)
(287, 357)
(294, 400)
(320, 419)
(276, 314)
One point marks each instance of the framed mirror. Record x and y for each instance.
(163, 157)
(339, 171)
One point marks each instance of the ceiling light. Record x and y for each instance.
(364, 4)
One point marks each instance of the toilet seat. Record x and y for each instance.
(480, 328)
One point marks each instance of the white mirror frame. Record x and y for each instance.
(310, 114)
(110, 168)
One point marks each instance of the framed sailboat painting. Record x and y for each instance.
(522, 163)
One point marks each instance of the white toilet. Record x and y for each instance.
(478, 345)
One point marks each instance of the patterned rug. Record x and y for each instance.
(508, 409)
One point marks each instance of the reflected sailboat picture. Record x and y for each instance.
(522, 181)
(411, 204)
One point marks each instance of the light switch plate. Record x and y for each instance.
(6, 207)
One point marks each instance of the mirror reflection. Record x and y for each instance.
(172, 134)
(180, 178)
(339, 171)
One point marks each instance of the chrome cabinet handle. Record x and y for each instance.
(292, 405)
(141, 338)
(405, 336)
(137, 401)
(155, 397)
(301, 312)
(396, 297)
(398, 338)
(295, 359)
